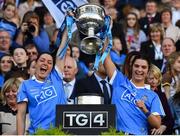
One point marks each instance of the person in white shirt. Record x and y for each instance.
(170, 30)
(69, 79)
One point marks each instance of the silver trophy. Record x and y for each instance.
(90, 21)
(90, 98)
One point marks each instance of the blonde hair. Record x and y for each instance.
(8, 85)
(156, 73)
(157, 27)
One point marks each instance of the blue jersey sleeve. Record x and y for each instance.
(118, 78)
(22, 95)
(156, 107)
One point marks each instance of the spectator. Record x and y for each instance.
(175, 4)
(174, 103)
(134, 36)
(31, 51)
(152, 16)
(68, 51)
(20, 58)
(136, 106)
(168, 47)
(9, 12)
(117, 57)
(4, 42)
(49, 24)
(19, 68)
(178, 42)
(28, 5)
(152, 47)
(154, 78)
(69, 80)
(171, 78)
(5, 66)
(9, 108)
(83, 70)
(116, 29)
(30, 32)
(169, 29)
(31, 68)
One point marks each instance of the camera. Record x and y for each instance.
(31, 28)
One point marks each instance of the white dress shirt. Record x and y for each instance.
(68, 87)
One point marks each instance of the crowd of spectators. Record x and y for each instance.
(139, 27)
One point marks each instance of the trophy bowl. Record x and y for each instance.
(90, 21)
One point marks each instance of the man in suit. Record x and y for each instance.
(69, 80)
(96, 84)
(152, 16)
(168, 47)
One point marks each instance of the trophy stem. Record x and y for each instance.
(90, 31)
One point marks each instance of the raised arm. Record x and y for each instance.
(21, 118)
(59, 60)
(108, 64)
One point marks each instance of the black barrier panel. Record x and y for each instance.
(85, 119)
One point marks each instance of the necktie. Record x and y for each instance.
(105, 90)
(150, 19)
(66, 89)
(164, 67)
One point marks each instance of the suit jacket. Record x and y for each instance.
(144, 22)
(89, 85)
(148, 49)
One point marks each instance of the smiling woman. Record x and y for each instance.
(42, 92)
(8, 110)
(5, 66)
(136, 105)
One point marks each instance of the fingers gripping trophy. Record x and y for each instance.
(91, 21)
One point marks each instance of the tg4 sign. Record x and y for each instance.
(85, 119)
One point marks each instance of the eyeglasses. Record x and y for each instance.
(4, 37)
(32, 53)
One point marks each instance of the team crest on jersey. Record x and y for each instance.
(48, 82)
(46, 93)
(128, 96)
(144, 98)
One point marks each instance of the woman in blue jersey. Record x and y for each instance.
(42, 93)
(136, 106)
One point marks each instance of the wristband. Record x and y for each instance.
(148, 114)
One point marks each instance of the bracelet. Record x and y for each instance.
(148, 114)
